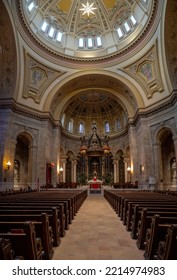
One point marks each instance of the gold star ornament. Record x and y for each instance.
(88, 9)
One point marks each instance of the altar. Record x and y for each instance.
(95, 186)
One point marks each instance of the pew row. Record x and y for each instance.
(157, 234)
(42, 229)
(25, 244)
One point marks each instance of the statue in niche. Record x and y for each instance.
(173, 169)
(106, 140)
(94, 127)
(83, 140)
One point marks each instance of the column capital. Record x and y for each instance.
(74, 161)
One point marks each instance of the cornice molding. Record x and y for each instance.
(144, 113)
(6, 104)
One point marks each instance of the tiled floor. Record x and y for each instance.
(97, 234)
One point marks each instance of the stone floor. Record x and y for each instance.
(97, 233)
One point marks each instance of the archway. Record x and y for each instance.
(167, 158)
(22, 170)
(69, 169)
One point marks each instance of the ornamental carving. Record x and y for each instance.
(38, 78)
(7, 55)
(146, 71)
(171, 40)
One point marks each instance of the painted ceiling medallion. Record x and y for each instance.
(88, 9)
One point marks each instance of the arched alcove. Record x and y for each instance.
(22, 170)
(167, 155)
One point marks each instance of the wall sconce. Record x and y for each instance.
(61, 170)
(129, 169)
(8, 166)
(141, 169)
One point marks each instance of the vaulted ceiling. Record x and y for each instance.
(117, 75)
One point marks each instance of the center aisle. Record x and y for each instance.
(97, 233)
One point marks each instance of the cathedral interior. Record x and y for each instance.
(88, 88)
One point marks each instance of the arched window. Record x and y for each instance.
(125, 119)
(118, 124)
(81, 128)
(70, 126)
(107, 128)
(63, 120)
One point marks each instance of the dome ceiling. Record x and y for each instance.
(93, 104)
(93, 93)
(94, 98)
(82, 29)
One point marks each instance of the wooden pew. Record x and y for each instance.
(137, 216)
(25, 244)
(50, 197)
(145, 224)
(69, 201)
(167, 250)
(144, 200)
(35, 203)
(121, 199)
(6, 252)
(39, 209)
(43, 231)
(64, 198)
(24, 213)
(76, 196)
(43, 207)
(158, 231)
(134, 211)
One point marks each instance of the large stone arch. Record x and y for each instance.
(160, 131)
(66, 89)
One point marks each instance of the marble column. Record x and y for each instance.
(63, 175)
(175, 148)
(133, 161)
(86, 166)
(115, 161)
(157, 161)
(9, 174)
(175, 145)
(126, 161)
(74, 170)
(56, 154)
(32, 163)
(103, 162)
